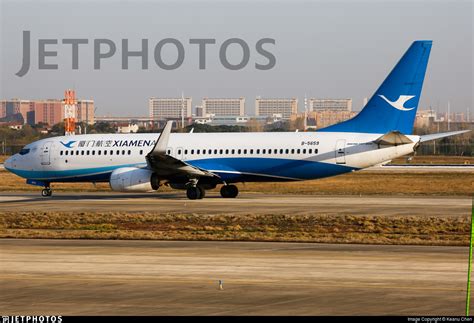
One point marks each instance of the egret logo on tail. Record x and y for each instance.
(399, 104)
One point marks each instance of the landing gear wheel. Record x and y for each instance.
(202, 192)
(46, 192)
(229, 191)
(193, 193)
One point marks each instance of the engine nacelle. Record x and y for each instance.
(132, 179)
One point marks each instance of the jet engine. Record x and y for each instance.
(132, 179)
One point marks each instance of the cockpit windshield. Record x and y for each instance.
(24, 151)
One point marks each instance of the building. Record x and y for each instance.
(223, 107)
(271, 107)
(325, 118)
(50, 111)
(17, 106)
(85, 111)
(424, 118)
(169, 108)
(330, 104)
(127, 127)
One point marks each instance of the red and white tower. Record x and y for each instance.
(70, 106)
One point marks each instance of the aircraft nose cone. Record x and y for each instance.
(8, 163)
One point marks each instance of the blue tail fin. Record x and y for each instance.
(394, 104)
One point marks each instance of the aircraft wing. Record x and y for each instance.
(441, 135)
(167, 166)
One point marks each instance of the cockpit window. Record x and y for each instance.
(24, 151)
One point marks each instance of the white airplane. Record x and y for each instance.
(200, 161)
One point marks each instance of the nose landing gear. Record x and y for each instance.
(47, 191)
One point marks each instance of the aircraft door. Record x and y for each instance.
(341, 151)
(46, 153)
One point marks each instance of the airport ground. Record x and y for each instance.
(388, 241)
(90, 277)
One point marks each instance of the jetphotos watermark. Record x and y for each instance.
(258, 54)
(31, 319)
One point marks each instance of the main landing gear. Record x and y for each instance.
(195, 192)
(47, 191)
(229, 191)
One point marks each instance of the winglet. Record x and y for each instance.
(162, 142)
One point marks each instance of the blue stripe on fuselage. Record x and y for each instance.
(229, 169)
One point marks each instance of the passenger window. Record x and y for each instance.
(215, 151)
(233, 151)
(105, 152)
(227, 151)
(129, 152)
(77, 152)
(61, 152)
(281, 151)
(192, 151)
(93, 152)
(141, 152)
(198, 151)
(245, 151)
(185, 151)
(99, 152)
(221, 151)
(239, 151)
(82, 152)
(275, 151)
(315, 151)
(292, 151)
(118, 152)
(310, 151)
(251, 151)
(258, 151)
(304, 151)
(287, 151)
(264, 151)
(179, 151)
(88, 152)
(297, 151)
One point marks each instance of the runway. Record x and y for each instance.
(246, 203)
(84, 277)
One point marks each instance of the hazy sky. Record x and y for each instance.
(341, 49)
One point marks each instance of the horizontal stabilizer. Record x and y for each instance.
(441, 135)
(393, 138)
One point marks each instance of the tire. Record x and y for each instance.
(202, 192)
(193, 193)
(46, 192)
(229, 191)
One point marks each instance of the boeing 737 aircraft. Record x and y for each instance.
(196, 162)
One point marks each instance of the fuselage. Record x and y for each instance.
(234, 157)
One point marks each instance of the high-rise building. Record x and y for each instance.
(85, 111)
(330, 104)
(15, 106)
(269, 107)
(164, 108)
(49, 111)
(223, 106)
(324, 118)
